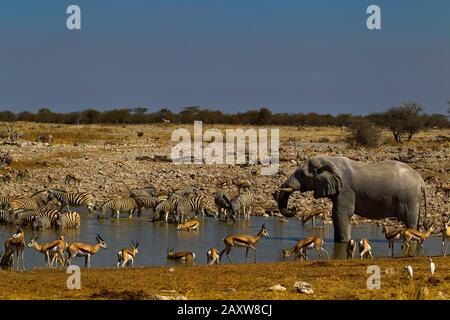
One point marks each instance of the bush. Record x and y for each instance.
(368, 136)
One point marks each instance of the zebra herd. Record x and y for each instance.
(51, 207)
(40, 210)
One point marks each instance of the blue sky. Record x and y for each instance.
(288, 56)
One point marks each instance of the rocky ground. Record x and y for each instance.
(111, 160)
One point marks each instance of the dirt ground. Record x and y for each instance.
(332, 279)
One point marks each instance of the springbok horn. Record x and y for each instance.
(289, 189)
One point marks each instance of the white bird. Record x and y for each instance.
(409, 269)
(432, 267)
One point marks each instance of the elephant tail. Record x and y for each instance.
(425, 205)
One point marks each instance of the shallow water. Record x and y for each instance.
(155, 238)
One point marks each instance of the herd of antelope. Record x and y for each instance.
(175, 206)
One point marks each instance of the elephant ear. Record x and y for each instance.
(328, 180)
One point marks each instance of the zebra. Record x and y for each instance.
(36, 200)
(240, 203)
(191, 190)
(41, 223)
(24, 217)
(145, 202)
(6, 217)
(50, 213)
(69, 219)
(4, 200)
(222, 201)
(73, 198)
(167, 207)
(185, 206)
(118, 204)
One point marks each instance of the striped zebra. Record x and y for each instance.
(24, 217)
(69, 219)
(50, 213)
(167, 207)
(195, 203)
(241, 203)
(222, 202)
(4, 200)
(145, 202)
(41, 223)
(80, 199)
(117, 205)
(4, 216)
(36, 201)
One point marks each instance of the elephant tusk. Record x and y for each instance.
(287, 189)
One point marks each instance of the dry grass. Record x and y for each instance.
(69, 134)
(49, 160)
(333, 279)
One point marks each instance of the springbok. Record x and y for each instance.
(351, 247)
(185, 256)
(392, 236)
(246, 241)
(85, 250)
(213, 256)
(365, 249)
(416, 235)
(306, 244)
(126, 256)
(16, 244)
(189, 225)
(57, 247)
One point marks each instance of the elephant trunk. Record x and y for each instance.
(291, 185)
(282, 204)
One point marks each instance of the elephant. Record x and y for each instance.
(374, 191)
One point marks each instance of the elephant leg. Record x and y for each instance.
(342, 226)
(343, 209)
(410, 215)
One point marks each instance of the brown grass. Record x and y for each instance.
(333, 279)
(49, 160)
(69, 134)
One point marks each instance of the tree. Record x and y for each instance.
(45, 115)
(264, 116)
(7, 116)
(406, 119)
(91, 116)
(188, 114)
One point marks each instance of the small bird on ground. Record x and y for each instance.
(432, 267)
(409, 270)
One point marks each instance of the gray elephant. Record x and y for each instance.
(374, 191)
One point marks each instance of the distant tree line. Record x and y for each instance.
(407, 118)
